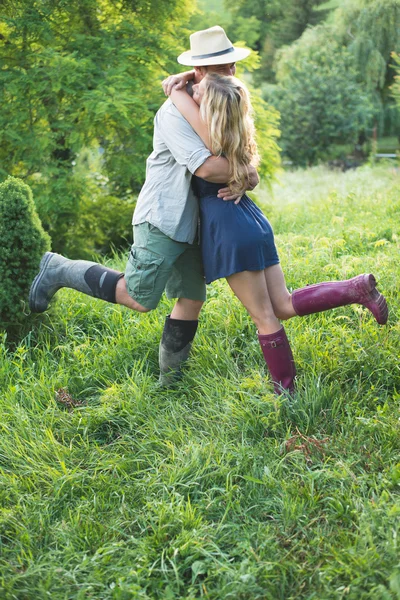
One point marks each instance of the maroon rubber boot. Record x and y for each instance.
(331, 294)
(279, 358)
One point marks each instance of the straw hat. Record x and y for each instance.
(211, 47)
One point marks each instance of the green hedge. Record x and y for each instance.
(22, 243)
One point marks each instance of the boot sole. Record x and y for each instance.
(36, 282)
(378, 307)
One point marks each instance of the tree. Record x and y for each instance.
(370, 29)
(319, 98)
(82, 74)
(396, 85)
(395, 89)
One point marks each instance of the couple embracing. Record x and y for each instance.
(204, 160)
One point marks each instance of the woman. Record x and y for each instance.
(237, 241)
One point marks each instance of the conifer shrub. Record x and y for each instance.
(22, 244)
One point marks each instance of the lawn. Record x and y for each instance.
(112, 488)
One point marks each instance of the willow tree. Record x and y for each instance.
(82, 74)
(370, 29)
(396, 85)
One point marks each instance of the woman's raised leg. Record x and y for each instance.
(281, 299)
(324, 296)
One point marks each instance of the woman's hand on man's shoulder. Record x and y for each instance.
(177, 82)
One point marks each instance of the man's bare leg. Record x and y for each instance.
(122, 297)
(187, 310)
(92, 279)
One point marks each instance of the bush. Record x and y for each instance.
(22, 243)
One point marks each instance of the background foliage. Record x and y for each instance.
(270, 24)
(370, 31)
(396, 84)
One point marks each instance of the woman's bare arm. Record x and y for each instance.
(191, 111)
(180, 80)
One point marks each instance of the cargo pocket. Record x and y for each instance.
(142, 270)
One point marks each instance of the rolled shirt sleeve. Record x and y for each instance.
(185, 145)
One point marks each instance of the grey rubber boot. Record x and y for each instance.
(174, 350)
(56, 271)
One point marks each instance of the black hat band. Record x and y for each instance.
(201, 56)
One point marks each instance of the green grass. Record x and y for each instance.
(216, 489)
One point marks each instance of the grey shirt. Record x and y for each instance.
(166, 199)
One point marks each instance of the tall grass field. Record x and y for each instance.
(115, 489)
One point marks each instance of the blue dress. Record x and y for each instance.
(233, 237)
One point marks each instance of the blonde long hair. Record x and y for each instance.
(227, 110)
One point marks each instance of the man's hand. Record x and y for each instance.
(253, 181)
(178, 81)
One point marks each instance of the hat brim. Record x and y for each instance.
(225, 59)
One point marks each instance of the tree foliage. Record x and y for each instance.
(267, 25)
(396, 85)
(370, 29)
(320, 100)
(22, 244)
(81, 74)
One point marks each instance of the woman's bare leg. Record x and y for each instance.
(281, 299)
(250, 287)
(324, 296)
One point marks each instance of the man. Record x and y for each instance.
(165, 254)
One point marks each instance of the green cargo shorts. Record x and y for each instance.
(157, 263)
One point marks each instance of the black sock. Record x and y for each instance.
(178, 333)
(103, 282)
